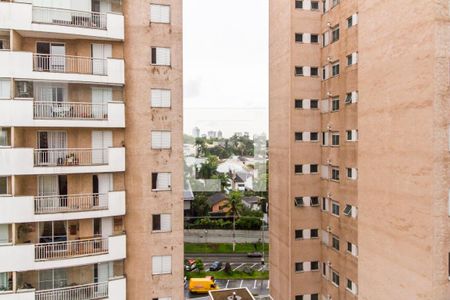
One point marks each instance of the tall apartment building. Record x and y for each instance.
(359, 149)
(80, 82)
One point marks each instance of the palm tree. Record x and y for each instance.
(235, 206)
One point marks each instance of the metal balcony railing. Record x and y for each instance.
(70, 203)
(68, 249)
(79, 292)
(68, 17)
(70, 110)
(69, 64)
(70, 157)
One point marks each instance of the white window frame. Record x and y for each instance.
(334, 204)
(165, 221)
(5, 88)
(161, 139)
(161, 98)
(333, 66)
(354, 249)
(353, 173)
(333, 135)
(160, 13)
(333, 272)
(8, 136)
(164, 259)
(163, 56)
(333, 169)
(353, 135)
(353, 289)
(325, 205)
(169, 180)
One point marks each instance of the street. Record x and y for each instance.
(231, 258)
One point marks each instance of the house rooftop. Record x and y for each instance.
(216, 198)
(227, 294)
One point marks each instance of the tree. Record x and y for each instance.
(224, 180)
(235, 206)
(209, 167)
(200, 144)
(200, 206)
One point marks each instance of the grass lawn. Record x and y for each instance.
(233, 275)
(223, 248)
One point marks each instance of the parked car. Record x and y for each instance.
(190, 265)
(202, 285)
(216, 266)
(254, 254)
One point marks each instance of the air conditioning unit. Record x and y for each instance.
(328, 24)
(329, 59)
(329, 94)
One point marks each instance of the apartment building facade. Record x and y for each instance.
(359, 190)
(70, 169)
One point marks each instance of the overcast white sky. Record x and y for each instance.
(226, 65)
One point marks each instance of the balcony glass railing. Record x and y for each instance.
(69, 64)
(70, 157)
(80, 292)
(68, 249)
(70, 203)
(70, 110)
(68, 17)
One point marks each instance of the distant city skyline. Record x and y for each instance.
(226, 86)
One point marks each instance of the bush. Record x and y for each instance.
(199, 264)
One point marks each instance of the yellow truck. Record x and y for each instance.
(202, 285)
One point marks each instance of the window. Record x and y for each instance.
(159, 13)
(335, 208)
(5, 88)
(314, 201)
(4, 189)
(314, 136)
(314, 71)
(6, 280)
(335, 174)
(335, 138)
(348, 210)
(335, 277)
(348, 98)
(24, 89)
(299, 4)
(161, 98)
(335, 34)
(313, 169)
(298, 71)
(299, 136)
(298, 103)
(314, 38)
(161, 181)
(161, 222)
(314, 266)
(335, 69)
(298, 169)
(299, 37)
(299, 202)
(352, 21)
(351, 286)
(324, 269)
(314, 233)
(298, 234)
(352, 249)
(160, 56)
(335, 104)
(352, 173)
(299, 267)
(164, 298)
(325, 203)
(335, 242)
(161, 265)
(314, 104)
(352, 135)
(314, 296)
(5, 136)
(352, 59)
(161, 140)
(314, 5)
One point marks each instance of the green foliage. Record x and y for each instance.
(200, 206)
(224, 148)
(224, 247)
(209, 167)
(200, 265)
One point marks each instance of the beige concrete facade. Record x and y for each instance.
(391, 236)
(141, 77)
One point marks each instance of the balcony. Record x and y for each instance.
(77, 283)
(27, 161)
(70, 249)
(42, 256)
(29, 113)
(62, 68)
(68, 23)
(23, 209)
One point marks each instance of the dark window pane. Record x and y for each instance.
(156, 222)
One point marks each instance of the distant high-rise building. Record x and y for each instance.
(359, 149)
(212, 134)
(219, 134)
(196, 132)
